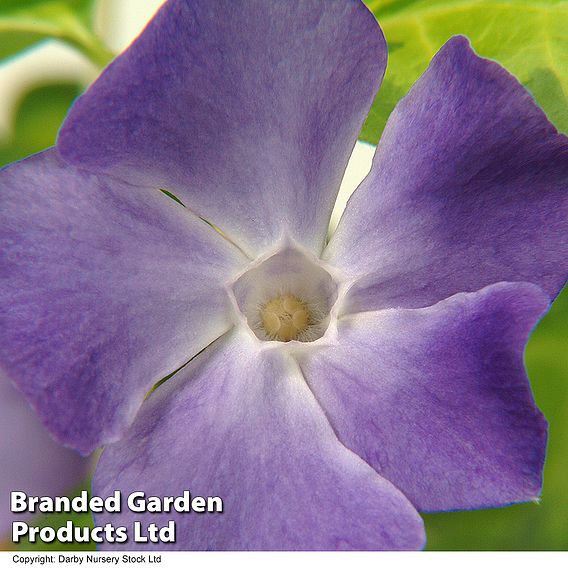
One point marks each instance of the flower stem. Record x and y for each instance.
(67, 28)
(94, 50)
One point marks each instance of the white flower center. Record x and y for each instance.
(286, 296)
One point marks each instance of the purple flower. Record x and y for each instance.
(331, 391)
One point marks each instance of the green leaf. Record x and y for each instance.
(14, 42)
(24, 23)
(528, 38)
(38, 119)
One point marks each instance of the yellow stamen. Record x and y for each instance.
(285, 317)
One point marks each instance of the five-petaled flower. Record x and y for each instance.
(331, 391)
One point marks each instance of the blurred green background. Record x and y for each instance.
(529, 37)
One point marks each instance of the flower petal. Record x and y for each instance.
(241, 424)
(31, 460)
(468, 188)
(437, 399)
(106, 289)
(248, 111)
